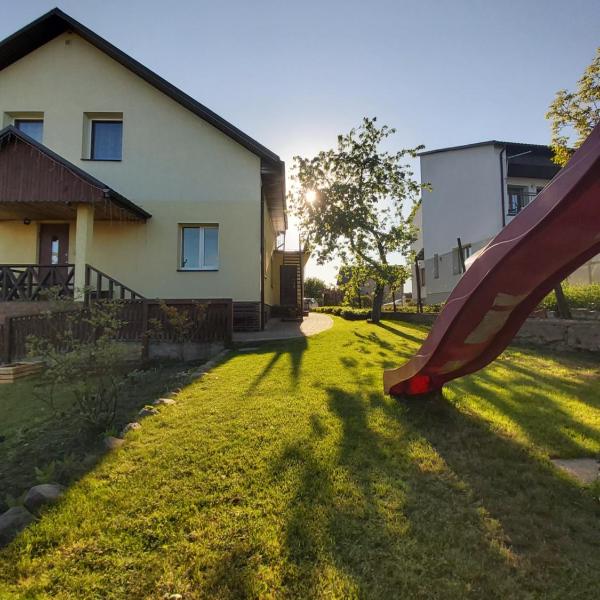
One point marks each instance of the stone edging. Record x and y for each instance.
(16, 518)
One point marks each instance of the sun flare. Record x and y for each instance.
(311, 196)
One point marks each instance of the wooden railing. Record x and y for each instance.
(99, 285)
(29, 282)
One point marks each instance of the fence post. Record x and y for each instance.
(7, 341)
(145, 336)
(229, 333)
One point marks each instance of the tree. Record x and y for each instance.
(314, 288)
(351, 279)
(349, 202)
(575, 113)
(397, 276)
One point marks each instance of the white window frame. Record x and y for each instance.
(202, 227)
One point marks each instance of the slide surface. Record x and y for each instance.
(545, 242)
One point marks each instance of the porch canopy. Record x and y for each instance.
(38, 184)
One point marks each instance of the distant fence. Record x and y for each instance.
(142, 320)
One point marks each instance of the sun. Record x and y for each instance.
(311, 196)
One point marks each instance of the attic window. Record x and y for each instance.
(102, 136)
(34, 128)
(107, 140)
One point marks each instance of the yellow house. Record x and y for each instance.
(112, 177)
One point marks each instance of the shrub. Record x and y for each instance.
(79, 349)
(346, 312)
(578, 296)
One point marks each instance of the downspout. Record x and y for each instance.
(262, 259)
(502, 187)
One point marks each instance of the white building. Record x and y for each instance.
(475, 191)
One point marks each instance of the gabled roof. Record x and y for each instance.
(56, 22)
(28, 177)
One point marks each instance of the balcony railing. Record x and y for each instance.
(30, 282)
(517, 201)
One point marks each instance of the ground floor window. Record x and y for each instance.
(199, 247)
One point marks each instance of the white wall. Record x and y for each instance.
(465, 201)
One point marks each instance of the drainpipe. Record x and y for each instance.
(502, 187)
(262, 260)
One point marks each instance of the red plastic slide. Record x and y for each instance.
(548, 240)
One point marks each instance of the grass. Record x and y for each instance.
(286, 472)
(34, 435)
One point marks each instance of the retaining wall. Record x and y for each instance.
(556, 334)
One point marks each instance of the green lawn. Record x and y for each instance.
(35, 435)
(286, 472)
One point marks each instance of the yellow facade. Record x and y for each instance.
(175, 165)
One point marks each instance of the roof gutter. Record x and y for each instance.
(502, 197)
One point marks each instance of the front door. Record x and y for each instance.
(288, 285)
(54, 251)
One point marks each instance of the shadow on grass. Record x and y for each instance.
(434, 502)
(58, 442)
(401, 333)
(533, 403)
(294, 348)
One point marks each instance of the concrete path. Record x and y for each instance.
(276, 329)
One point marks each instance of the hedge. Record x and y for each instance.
(356, 314)
(412, 308)
(578, 296)
(346, 312)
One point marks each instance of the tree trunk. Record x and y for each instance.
(377, 303)
(564, 312)
(394, 299)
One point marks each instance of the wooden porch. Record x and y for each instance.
(30, 283)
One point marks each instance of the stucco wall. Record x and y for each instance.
(175, 165)
(270, 275)
(465, 202)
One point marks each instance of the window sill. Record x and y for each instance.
(197, 270)
(102, 159)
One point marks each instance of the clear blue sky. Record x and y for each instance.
(295, 74)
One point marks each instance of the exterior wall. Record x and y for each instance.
(269, 248)
(465, 201)
(417, 246)
(175, 165)
(586, 274)
(447, 279)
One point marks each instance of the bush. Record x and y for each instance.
(578, 296)
(346, 312)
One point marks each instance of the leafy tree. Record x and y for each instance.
(314, 288)
(349, 201)
(575, 113)
(351, 279)
(397, 276)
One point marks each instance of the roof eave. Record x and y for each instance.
(55, 22)
(117, 198)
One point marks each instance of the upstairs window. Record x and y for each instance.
(199, 248)
(436, 266)
(106, 140)
(34, 128)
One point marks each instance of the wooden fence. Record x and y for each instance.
(142, 321)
